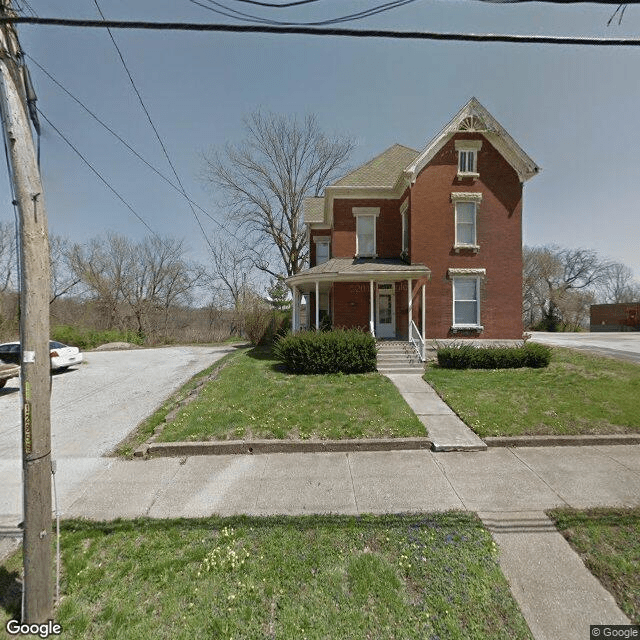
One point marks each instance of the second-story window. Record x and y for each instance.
(366, 231)
(466, 213)
(322, 250)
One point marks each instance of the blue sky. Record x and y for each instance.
(572, 109)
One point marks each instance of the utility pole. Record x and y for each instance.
(34, 325)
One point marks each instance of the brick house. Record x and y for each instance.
(417, 245)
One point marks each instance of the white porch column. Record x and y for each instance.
(424, 330)
(372, 323)
(317, 306)
(409, 306)
(294, 309)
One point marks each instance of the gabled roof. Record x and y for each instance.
(382, 171)
(474, 118)
(313, 210)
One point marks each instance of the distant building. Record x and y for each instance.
(615, 317)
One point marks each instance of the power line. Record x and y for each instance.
(100, 176)
(155, 129)
(246, 17)
(135, 153)
(278, 6)
(315, 31)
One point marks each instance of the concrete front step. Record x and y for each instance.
(395, 370)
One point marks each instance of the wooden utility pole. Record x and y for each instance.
(34, 326)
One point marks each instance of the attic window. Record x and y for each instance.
(468, 158)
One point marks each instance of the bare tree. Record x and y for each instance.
(265, 179)
(559, 284)
(7, 257)
(231, 274)
(619, 286)
(64, 278)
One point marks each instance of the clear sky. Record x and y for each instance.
(573, 109)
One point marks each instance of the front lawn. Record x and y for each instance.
(421, 576)
(254, 398)
(608, 541)
(577, 394)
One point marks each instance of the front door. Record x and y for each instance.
(386, 316)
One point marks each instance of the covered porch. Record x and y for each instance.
(386, 297)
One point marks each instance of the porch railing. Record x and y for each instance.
(416, 340)
(372, 328)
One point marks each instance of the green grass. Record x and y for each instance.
(421, 576)
(608, 540)
(576, 394)
(146, 428)
(255, 398)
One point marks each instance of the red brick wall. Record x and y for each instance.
(499, 234)
(315, 233)
(388, 227)
(351, 305)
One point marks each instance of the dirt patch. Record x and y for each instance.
(116, 346)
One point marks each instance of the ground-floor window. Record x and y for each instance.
(466, 302)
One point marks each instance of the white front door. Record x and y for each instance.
(386, 311)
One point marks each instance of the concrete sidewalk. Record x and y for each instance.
(445, 430)
(509, 487)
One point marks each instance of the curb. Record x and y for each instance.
(257, 447)
(561, 441)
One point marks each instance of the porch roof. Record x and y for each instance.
(358, 270)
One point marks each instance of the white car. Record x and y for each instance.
(62, 356)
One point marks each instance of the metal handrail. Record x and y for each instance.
(416, 340)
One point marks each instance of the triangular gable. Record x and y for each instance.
(474, 118)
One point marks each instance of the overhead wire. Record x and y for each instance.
(136, 154)
(99, 175)
(246, 17)
(208, 27)
(155, 129)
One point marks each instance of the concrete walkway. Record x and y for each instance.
(444, 428)
(510, 489)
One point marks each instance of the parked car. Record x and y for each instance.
(62, 356)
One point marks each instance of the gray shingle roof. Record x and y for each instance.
(313, 210)
(382, 171)
(359, 267)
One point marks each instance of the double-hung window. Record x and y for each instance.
(468, 157)
(466, 302)
(466, 297)
(466, 214)
(322, 250)
(366, 231)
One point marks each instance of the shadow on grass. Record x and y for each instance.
(265, 352)
(10, 593)
(452, 519)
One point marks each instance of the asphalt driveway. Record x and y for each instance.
(93, 407)
(624, 345)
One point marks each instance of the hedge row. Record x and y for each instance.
(338, 351)
(467, 356)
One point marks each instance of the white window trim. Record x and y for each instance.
(404, 214)
(322, 240)
(476, 199)
(372, 212)
(454, 326)
(471, 146)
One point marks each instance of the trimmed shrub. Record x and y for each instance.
(338, 351)
(466, 356)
